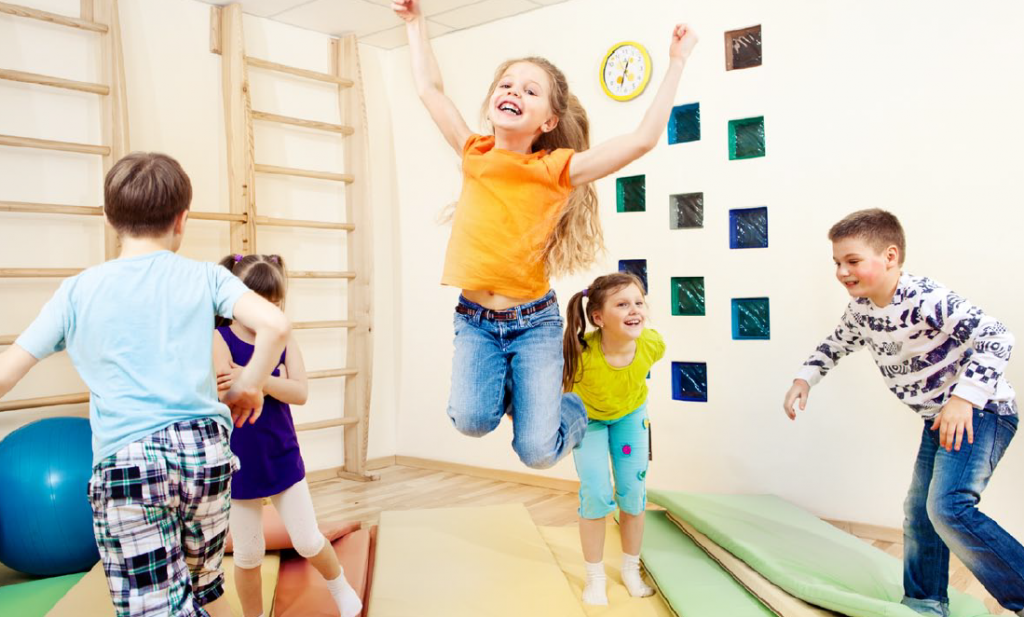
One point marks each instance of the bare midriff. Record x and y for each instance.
(493, 301)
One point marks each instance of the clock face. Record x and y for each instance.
(626, 71)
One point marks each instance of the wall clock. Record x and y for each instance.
(625, 71)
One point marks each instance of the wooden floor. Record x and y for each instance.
(406, 488)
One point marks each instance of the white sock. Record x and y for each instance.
(594, 592)
(631, 577)
(344, 596)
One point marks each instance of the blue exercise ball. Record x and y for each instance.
(45, 516)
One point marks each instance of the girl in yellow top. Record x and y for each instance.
(608, 368)
(527, 211)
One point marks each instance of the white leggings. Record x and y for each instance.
(295, 505)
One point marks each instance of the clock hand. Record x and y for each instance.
(624, 70)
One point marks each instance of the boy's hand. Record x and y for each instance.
(408, 10)
(798, 392)
(684, 39)
(956, 417)
(245, 402)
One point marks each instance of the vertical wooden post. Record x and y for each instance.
(345, 63)
(85, 11)
(238, 124)
(115, 105)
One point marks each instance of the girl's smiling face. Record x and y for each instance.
(623, 315)
(521, 100)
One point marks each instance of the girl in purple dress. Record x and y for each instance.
(268, 450)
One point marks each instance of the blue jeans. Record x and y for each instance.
(942, 514)
(515, 366)
(625, 440)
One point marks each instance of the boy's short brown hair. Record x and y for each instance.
(880, 229)
(144, 192)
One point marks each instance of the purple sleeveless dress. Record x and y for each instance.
(269, 449)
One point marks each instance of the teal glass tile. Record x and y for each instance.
(688, 295)
(690, 381)
(750, 319)
(684, 124)
(746, 138)
(630, 194)
(748, 228)
(686, 211)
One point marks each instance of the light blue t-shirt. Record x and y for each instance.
(139, 331)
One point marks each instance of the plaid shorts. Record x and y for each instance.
(160, 516)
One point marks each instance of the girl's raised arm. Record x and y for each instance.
(428, 77)
(610, 156)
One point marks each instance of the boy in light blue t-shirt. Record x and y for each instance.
(139, 331)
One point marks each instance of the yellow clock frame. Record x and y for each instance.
(643, 83)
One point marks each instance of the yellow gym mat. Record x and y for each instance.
(565, 544)
(467, 562)
(90, 597)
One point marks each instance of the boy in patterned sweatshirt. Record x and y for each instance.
(945, 359)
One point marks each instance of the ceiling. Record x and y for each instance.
(375, 23)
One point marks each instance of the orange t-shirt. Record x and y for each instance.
(509, 205)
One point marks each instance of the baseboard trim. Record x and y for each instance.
(500, 475)
(869, 532)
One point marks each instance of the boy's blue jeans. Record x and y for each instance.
(942, 514)
(515, 365)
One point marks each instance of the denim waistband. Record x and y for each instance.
(466, 307)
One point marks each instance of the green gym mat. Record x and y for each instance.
(35, 598)
(690, 581)
(802, 554)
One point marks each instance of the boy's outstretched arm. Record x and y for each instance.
(245, 397)
(15, 362)
(614, 154)
(428, 76)
(842, 342)
(798, 393)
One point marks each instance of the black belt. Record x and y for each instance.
(506, 315)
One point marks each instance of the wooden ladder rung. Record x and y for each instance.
(8, 339)
(311, 325)
(292, 70)
(277, 222)
(308, 274)
(53, 18)
(338, 372)
(303, 173)
(54, 82)
(38, 273)
(48, 144)
(44, 401)
(216, 216)
(312, 426)
(34, 208)
(309, 124)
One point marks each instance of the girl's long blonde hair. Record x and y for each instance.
(577, 237)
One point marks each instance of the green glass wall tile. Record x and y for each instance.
(746, 138)
(750, 319)
(688, 295)
(630, 194)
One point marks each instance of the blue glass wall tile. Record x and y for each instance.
(748, 228)
(690, 381)
(637, 267)
(684, 124)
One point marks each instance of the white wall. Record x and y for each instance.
(906, 107)
(176, 106)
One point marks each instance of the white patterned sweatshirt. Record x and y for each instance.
(929, 344)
